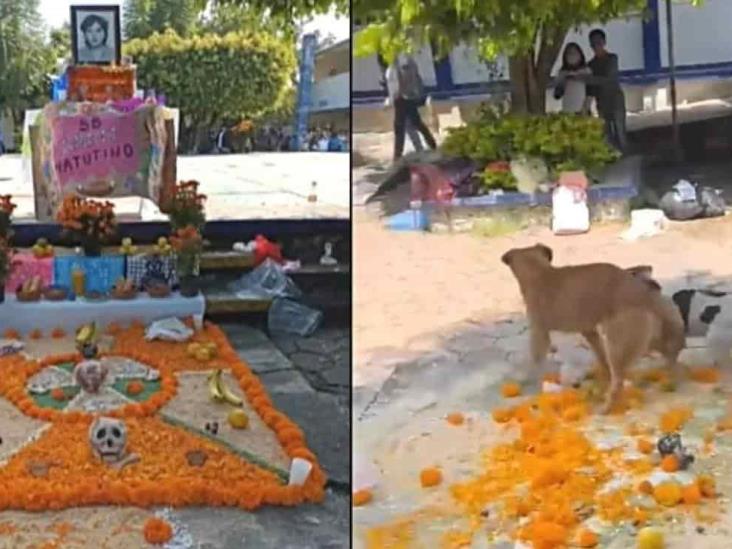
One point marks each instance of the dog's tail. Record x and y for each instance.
(645, 273)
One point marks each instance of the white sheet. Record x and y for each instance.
(69, 315)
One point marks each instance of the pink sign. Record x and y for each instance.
(95, 147)
(25, 267)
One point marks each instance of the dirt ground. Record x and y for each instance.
(413, 290)
(439, 326)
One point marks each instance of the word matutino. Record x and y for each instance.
(77, 161)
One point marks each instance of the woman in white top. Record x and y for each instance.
(570, 86)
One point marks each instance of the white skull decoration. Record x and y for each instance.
(90, 375)
(108, 438)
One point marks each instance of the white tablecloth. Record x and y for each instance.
(69, 315)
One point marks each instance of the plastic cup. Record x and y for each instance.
(299, 471)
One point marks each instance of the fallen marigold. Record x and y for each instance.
(510, 389)
(58, 394)
(455, 418)
(705, 374)
(134, 388)
(548, 535)
(673, 420)
(667, 494)
(691, 494)
(362, 497)
(501, 415)
(670, 463)
(587, 538)
(645, 446)
(645, 487)
(157, 531)
(430, 477)
(707, 486)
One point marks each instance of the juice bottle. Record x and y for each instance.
(78, 281)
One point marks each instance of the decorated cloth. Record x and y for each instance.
(46, 315)
(142, 267)
(97, 151)
(101, 273)
(26, 266)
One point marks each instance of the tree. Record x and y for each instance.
(295, 9)
(530, 32)
(223, 17)
(216, 79)
(25, 61)
(145, 17)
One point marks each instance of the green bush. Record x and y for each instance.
(563, 141)
(215, 78)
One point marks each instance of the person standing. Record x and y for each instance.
(604, 86)
(569, 88)
(391, 86)
(409, 97)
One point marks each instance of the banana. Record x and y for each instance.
(226, 393)
(86, 333)
(214, 386)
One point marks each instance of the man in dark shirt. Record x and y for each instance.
(604, 86)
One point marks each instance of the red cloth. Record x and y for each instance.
(264, 249)
(430, 184)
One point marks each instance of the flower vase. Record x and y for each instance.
(92, 248)
(189, 286)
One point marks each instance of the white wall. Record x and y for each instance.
(367, 73)
(701, 35)
(624, 38)
(467, 68)
(332, 93)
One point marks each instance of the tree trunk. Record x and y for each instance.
(530, 73)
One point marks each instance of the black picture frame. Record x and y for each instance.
(114, 36)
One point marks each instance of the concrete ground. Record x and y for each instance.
(238, 186)
(439, 326)
(308, 380)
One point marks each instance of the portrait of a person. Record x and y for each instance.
(96, 37)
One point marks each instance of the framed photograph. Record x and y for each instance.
(95, 35)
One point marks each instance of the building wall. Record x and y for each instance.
(331, 86)
(703, 47)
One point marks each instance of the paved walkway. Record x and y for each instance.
(238, 186)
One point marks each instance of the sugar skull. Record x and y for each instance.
(108, 438)
(90, 375)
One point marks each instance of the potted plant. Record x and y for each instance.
(186, 206)
(87, 222)
(188, 245)
(6, 211)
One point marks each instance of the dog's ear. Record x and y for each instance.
(546, 250)
(641, 271)
(506, 258)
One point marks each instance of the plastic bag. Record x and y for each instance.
(269, 279)
(681, 203)
(713, 202)
(168, 329)
(570, 214)
(530, 173)
(288, 316)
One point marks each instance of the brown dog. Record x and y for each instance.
(621, 313)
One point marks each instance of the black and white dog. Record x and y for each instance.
(708, 314)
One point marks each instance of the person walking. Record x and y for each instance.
(409, 97)
(391, 85)
(604, 86)
(569, 88)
